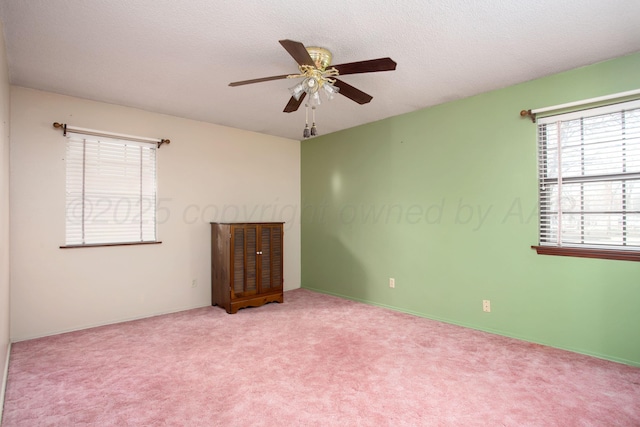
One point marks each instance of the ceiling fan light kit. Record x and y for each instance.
(312, 64)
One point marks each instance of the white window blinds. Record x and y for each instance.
(110, 191)
(589, 178)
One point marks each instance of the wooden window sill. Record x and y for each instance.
(101, 245)
(588, 253)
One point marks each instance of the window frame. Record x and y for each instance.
(615, 252)
(146, 174)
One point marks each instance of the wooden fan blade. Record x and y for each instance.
(293, 105)
(370, 66)
(352, 93)
(263, 79)
(298, 52)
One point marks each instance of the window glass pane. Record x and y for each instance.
(601, 229)
(571, 158)
(571, 228)
(570, 197)
(602, 196)
(632, 141)
(633, 229)
(633, 195)
(603, 158)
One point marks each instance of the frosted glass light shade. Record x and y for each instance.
(314, 99)
(297, 91)
(330, 90)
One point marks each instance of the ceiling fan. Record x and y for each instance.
(317, 72)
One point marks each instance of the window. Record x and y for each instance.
(110, 191)
(589, 182)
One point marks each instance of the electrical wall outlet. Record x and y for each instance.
(486, 305)
(392, 282)
(194, 283)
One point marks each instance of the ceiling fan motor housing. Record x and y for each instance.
(321, 57)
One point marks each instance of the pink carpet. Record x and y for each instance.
(315, 360)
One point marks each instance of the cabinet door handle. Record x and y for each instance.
(259, 253)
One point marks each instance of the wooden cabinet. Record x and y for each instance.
(246, 264)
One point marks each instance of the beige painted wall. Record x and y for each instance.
(207, 173)
(4, 212)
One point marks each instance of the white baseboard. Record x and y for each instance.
(4, 381)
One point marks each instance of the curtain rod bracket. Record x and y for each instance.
(61, 125)
(163, 141)
(525, 113)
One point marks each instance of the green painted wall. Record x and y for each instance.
(444, 200)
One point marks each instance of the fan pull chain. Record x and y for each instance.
(314, 131)
(306, 133)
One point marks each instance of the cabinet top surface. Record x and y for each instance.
(248, 223)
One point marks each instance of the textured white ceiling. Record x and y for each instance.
(177, 57)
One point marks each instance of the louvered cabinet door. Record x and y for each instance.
(270, 257)
(244, 279)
